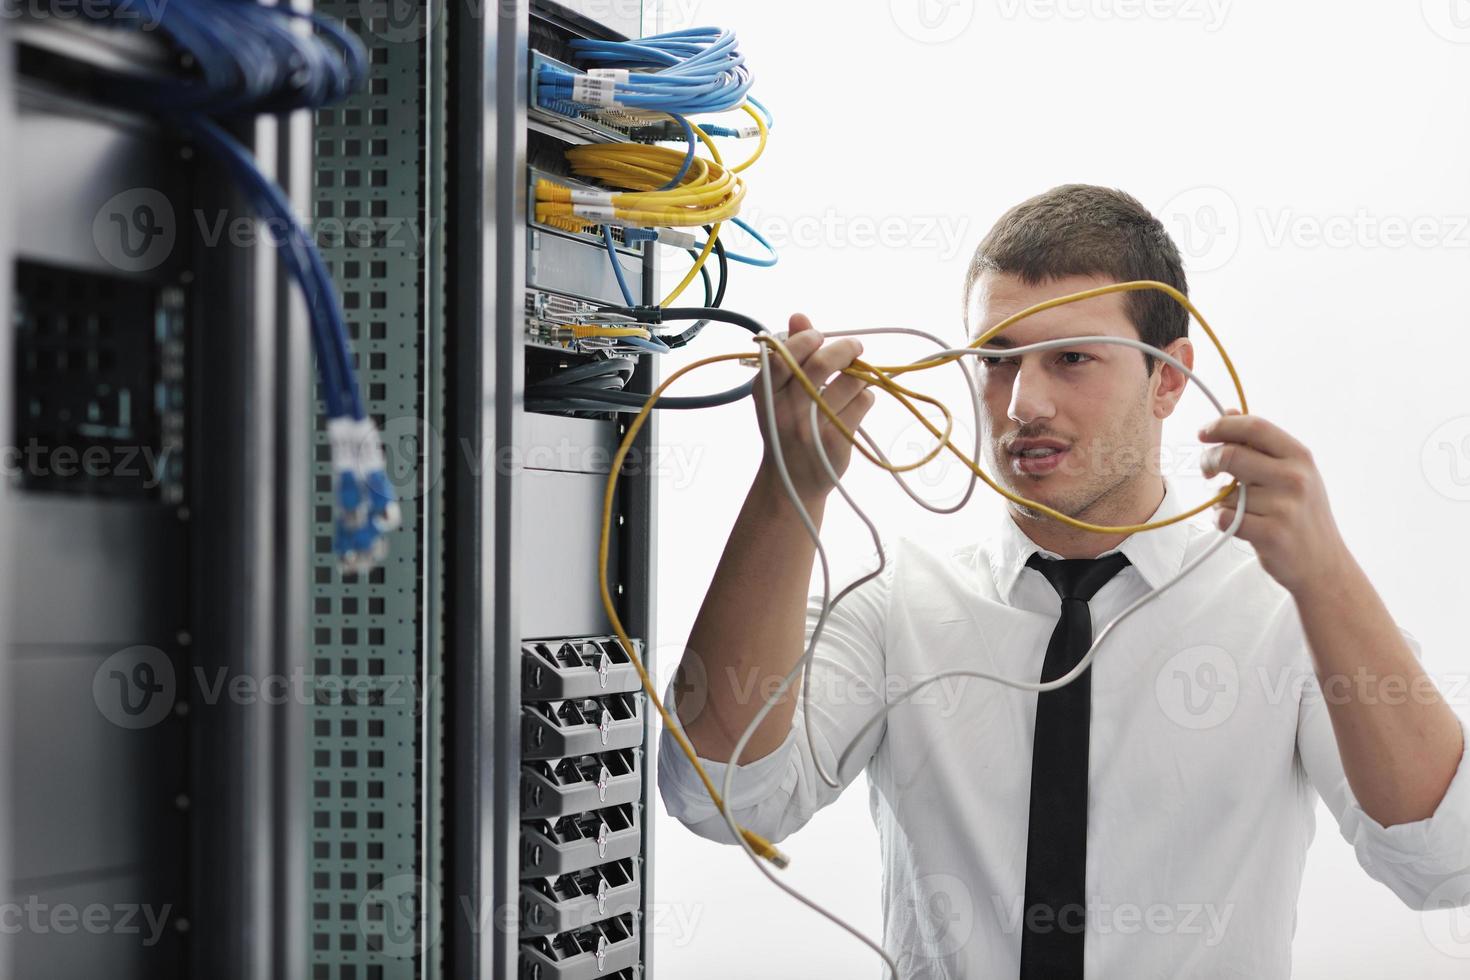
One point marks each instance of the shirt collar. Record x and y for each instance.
(1158, 554)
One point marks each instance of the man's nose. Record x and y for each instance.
(1031, 393)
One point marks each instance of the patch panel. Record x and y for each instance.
(581, 119)
(607, 950)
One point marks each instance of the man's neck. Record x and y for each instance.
(1051, 535)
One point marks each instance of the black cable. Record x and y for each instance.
(724, 269)
(656, 315)
(602, 367)
(709, 288)
(572, 398)
(554, 397)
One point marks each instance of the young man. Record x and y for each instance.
(1150, 819)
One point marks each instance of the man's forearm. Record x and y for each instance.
(1400, 742)
(751, 628)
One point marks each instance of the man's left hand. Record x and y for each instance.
(1287, 517)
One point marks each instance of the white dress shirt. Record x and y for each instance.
(1209, 735)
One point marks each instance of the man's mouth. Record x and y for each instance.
(1038, 457)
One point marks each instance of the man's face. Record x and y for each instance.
(1093, 403)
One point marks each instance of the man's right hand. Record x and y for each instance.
(849, 397)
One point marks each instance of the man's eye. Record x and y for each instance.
(994, 361)
(1077, 353)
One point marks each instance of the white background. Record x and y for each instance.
(1310, 158)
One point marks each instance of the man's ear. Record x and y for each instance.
(1169, 382)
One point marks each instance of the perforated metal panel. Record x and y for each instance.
(376, 639)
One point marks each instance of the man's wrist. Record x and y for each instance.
(770, 488)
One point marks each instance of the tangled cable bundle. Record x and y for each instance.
(882, 377)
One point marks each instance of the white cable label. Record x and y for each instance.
(343, 435)
(602, 198)
(594, 90)
(594, 212)
(618, 75)
(356, 445)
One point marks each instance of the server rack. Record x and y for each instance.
(7, 127)
(462, 790)
(562, 889)
(138, 791)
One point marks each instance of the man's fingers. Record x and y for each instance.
(803, 340)
(852, 414)
(831, 358)
(840, 393)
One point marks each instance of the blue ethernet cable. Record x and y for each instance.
(612, 254)
(746, 259)
(250, 60)
(654, 345)
(697, 70)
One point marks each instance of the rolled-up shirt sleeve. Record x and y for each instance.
(1421, 862)
(778, 793)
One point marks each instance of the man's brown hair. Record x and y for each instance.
(1080, 230)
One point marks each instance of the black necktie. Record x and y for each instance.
(1053, 917)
